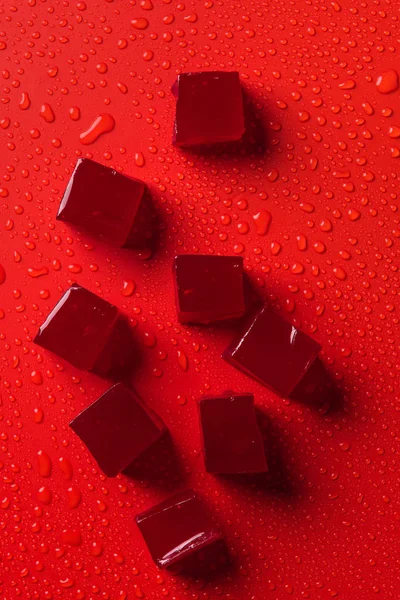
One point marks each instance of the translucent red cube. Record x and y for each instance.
(178, 529)
(231, 439)
(208, 288)
(117, 428)
(88, 332)
(273, 351)
(106, 204)
(209, 108)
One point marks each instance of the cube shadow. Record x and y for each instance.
(159, 465)
(318, 388)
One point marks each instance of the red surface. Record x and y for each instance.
(324, 192)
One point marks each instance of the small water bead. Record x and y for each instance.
(65, 468)
(97, 548)
(128, 287)
(183, 360)
(25, 101)
(35, 273)
(387, 112)
(272, 175)
(326, 225)
(297, 268)
(71, 537)
(275, 248)
(262, 221)
(44, 495)
(47, 113)
(387, 82)
(139, 159)
(302, 242)
(319, 247)
(243, 228)
(44, 464)
(394, 131)
(104, 123)
(74, 113)
(140, 23)
(349, 84)
(38, 415)
(340, 273)
(74, 496)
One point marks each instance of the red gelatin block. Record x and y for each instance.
(273, 351)
(232, 441)
(177, 529)
(117, 428)
(208, 288)
(209, 108)
(86, 331)
(110, 206)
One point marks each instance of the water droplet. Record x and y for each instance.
(74, 113)
(139, 159)
(44, 464)
(74, 497)
(65, 468)
(104, 123)
(387, 82)
(128, 287)
(44, 495)
(25, 101)
(72, 537)
(262, 221)
(46, 112)
(183, 360)
(140, 23)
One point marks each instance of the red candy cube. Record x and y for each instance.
(232, 441)
(273, 351)
(88, 332)
(117, 428)
(209, 108)
(177, 529)
(110, 206)
(208, 288)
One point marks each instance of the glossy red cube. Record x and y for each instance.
(177, 529)
(208, 288)
(117, 428)
(106, 204)
(209, 108)
(231, 439)
(86, 331)
(273, 351)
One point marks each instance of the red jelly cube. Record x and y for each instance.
(177, 529)
(106, 204)
(82, 329)
(273, 351)
(117, 428)
(209, 108)
(208, 288)
(232, 441)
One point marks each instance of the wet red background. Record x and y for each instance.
(320, 162)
